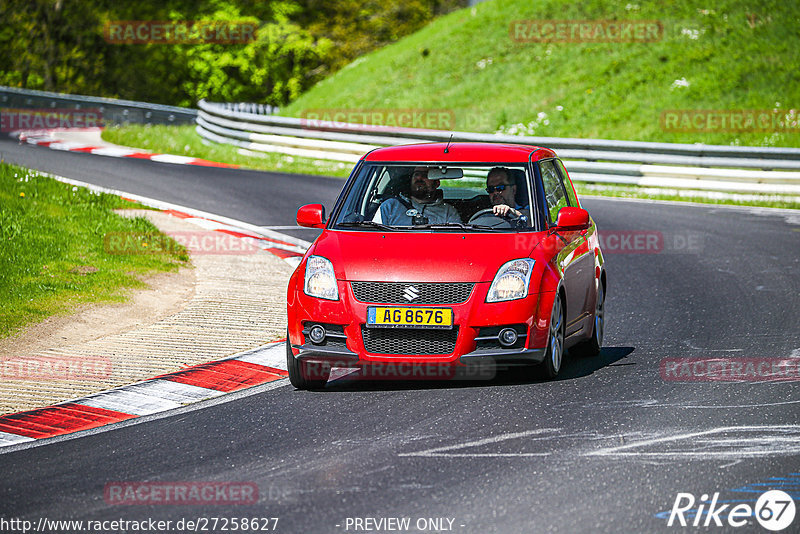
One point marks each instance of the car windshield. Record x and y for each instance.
(479, 197)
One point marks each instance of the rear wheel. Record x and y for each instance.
(555, 341)
(305, 375)
(592, 346)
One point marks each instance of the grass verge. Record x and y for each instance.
(53, 257)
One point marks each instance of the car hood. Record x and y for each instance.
(421, 257)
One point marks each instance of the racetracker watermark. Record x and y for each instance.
(180, 32)
(628, 242)
(730, 120)
(180, 493)
(12, 120)
(586, 31)
(378, 120)
(55, 368)
(206, 242)
(401, 371)
(730, 369)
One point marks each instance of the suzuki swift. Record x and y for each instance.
(447, 255)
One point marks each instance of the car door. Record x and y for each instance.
(573, 259)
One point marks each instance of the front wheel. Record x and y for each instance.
(555, 341)
(305, 375)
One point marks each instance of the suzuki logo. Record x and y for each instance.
(410, 293)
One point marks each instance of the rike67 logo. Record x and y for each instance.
(774, 510)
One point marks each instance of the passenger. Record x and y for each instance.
(423, 205)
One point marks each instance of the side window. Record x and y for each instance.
(573, 199)
(553, 190)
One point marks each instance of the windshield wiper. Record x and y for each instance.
(448, 226)
(369, 224)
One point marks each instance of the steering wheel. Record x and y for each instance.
(488, 218)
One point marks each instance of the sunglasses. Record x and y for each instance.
(502, 187)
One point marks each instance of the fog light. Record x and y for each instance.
(507, 337)
(317, 334)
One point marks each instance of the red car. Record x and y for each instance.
(447, 255)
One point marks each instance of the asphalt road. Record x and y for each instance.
(606, 448)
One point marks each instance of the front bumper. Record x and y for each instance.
(338, 357)
(469, 318)
(504, 356)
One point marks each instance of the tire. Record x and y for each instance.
(303, 375)
(592, 346)
(554, 355)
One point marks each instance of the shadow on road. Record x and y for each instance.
(572, 368)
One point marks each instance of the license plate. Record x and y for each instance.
(404, 317)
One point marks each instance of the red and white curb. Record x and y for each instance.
(290, 249)
(47, 138)
(286, 247)
(174, 390)
(284, 250)
(160, 394)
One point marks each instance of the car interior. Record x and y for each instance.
(468, 199)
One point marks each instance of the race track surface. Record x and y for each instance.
(606, 448)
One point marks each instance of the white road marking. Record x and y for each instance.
(769, 440)
(10, 439)
(114, 151)
(270, 356)
(130, 402)
(171, 158)
(443, 451)
(66, 146)
(650, 403)
(174, 391)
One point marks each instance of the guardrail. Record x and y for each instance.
(683, 166)
(112, 110)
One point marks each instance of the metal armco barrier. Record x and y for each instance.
(113, 111)
(769, 170)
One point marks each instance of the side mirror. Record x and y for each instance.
(571, 218)
(311, 216)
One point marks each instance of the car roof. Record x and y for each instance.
(461, 152)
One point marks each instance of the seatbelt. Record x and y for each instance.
(417, 219)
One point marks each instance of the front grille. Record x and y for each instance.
(427, 292)
(412, 341)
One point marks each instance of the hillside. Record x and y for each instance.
(724, 55)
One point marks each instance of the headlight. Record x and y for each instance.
(511, 281)
(320, 281)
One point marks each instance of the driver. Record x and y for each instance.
(502, 192)
(423, 205)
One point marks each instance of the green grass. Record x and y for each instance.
(184, 141)
(52, 252)
(744, 57)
